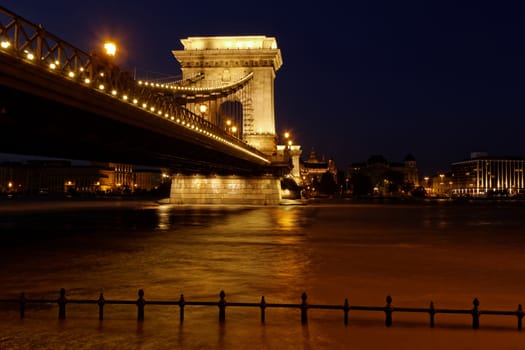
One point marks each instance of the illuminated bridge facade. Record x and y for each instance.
(217, 123)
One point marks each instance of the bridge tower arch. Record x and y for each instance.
(226, 59)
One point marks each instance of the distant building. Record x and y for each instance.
(383, 177)
(313, 169)
(409, 169)
(439, 185)
(34, 177)
(7, 174)
(150, 179)
(482, 175)
(116, 177)
(39, 177)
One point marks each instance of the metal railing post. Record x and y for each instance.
(23, 301)
(304, 308)
(432, 312)
(519, 313)
(263, 307)
(100, 303)
(140, 306)
(346, 308)
(222, 306)
(181, 308)
(62, 304)
(388, 311)
(475, 314)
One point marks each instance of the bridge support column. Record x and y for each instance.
(235, 190)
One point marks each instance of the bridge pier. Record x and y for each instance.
(218, 189)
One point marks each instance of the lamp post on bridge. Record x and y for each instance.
(110, 48)
(104, 68)
(288, 141)
(286, 137)
(203, 109)
(287, 147)
(291, 154)
(231, 129)
(234, 131)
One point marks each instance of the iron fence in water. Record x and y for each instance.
(475, 312)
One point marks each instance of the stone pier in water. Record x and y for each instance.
(241, 190)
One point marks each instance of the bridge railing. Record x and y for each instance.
(388, 309)
(36, 44)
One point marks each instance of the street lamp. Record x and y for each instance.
(110, 48)
(203, 108)
(441, 183)
(287, 140)
(427, 189)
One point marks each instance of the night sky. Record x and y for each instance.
(437, 79)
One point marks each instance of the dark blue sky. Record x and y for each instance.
(438, 79)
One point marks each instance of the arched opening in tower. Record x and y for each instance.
(231, 118)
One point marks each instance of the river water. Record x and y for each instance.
(447, 253)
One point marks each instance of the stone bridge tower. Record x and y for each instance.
(226, 59)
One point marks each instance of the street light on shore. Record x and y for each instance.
(427, 189)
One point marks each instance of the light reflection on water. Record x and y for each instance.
(448, 254)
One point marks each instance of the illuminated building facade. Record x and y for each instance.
(409, 169)
(485, 176)
(37, 177)
(313, 169)
(121, 176)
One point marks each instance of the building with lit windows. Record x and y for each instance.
(482, 175)
(37, 177)
(116, 177)
(409, 169)
(313, 169)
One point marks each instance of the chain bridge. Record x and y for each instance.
(214, 128)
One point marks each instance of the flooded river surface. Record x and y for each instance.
(447, 253)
